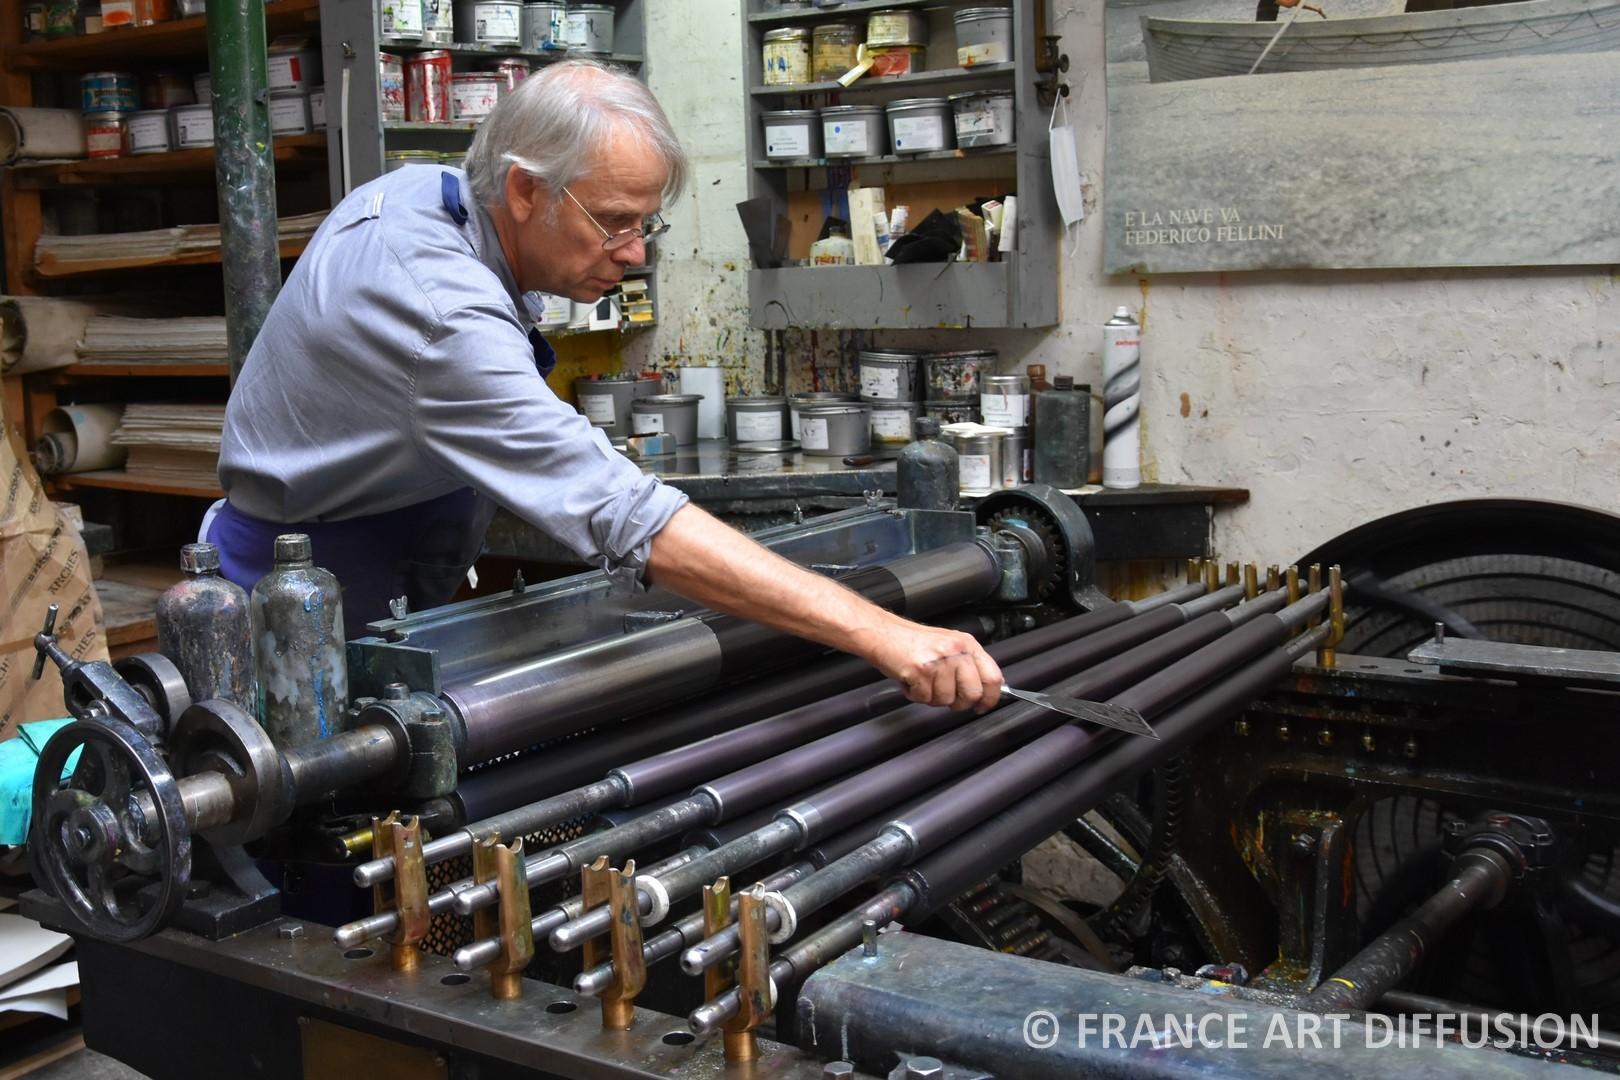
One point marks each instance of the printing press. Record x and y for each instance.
(570, 832)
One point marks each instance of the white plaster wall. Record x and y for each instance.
(1335, 397)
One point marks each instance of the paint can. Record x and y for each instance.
(289, 114)
(756, 419)
(148, 132)
(510, 71)
(889, 374)
(292, 70)
(605, 401)
(1004, 400)
(391, 87)
(792, 134)
(104, 134)
(984, 35)
(953, 411)
(786, 56)
(835, 429)
(921, 125)
(545, 27)
(673, 414)
(317, 108)
(473, 94)
(202, 84)
(438, 23)
(165, 90)
(834, 51)
(1016, 458)
(978, 452)
(983, 118)
(589, 29)
(193, 126)
(190, 8)
(1122, 401)
(399, 21)
(708, 382)
(956, 374)
(892, 422)
(108, 91)
(851, 131)
(797, 402)
(886, 28)
(427, 87)
(489, 22)
(895, 60)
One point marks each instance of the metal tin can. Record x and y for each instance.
(921, 125)
(104, 134)
(834, 50)
(190, 8)
(673, 414)
(1004, 400)
(166, 89)
(109, 91)
(204, 626)
(545, 27)
(489, 22)
(953, 411)
(984, 35)
(835, 429)
(756, 419)
(792, 134)
(1015, 458)
(427, 87)
(438, 23)
(787, 56)
(391, 86)
(289, 114)
(193, 126)
(978, 452)
(473, 94)
(892, 421)
(511, 72)
(806, 398)
(292, 70)
(851, 131)
(399, 21)
(895, 60)
(297, 612)
(983, 118)
(202, 84)
(956, 374)
(889, 374)
(317, 108)
(884, 28)
(148, 132)
(116, 14)
(589, 29)
(34, 19)
(395, 160)
(605, 401)
(90, 16)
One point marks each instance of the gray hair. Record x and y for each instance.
(550, 125)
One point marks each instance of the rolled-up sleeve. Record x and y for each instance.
(483, 414)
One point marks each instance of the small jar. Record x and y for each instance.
(34, 20)
(833, 51)
(90, 17)
(61, 18)
(787, 56)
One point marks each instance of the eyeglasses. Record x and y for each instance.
(652, 228)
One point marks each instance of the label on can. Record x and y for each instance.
(976, 121)
(1004, 410)
(589, 31)
(289, 116)
(284, 71)
(759, 426)
(881, 383)
(846, 137)
(813, 432)
(599, 408)
(975, 472)
(103, 140)
(647, 423)
(917, 133)
(317, 109)
(391, 86)
(194, 128)
(790, 141)
(149, 133)
(986, 52)
(474, 98)
(497, 24)
(117, 13)
(401, 18)
(891, 424)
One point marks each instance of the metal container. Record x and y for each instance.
(317, 108)
(834, 50)
(852, 131)
(956, 411)
(109, 91)
(799, 401)
(984, 35)
(399, 21)
(892, 422)
(889, 374)
(885, 28)
(792, 133)
(979, 453)
(835, 429)
(148, 133)
(927, 472)
(185, 9)
(489, 22)
(394, 160)
(427, 87)
(165, 90)
(786, 56)
(473, 94)
(604, 401)
(1004, 400)
(202, 84)
(545, 28)
(1063, 435)
(675, 414)
(983, 118)
(205, 627)
(895, 60)
(391, 86)
(298, 663)
(921, 125)
(438, 23)
(956, 374)
(511, 72)
(104, 134)
(756, 419)
(289, 114)
(589, 29)
(1015, 458)
(292, 70)
(193, 126)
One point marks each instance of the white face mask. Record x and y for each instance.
(1065, 167)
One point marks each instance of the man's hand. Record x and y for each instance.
(933, 666)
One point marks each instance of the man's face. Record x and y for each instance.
(558, 248)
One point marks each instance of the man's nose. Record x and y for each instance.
(632, 254)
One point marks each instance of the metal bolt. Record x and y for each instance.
(518, 584)
(396, 691)
(399, 607)
(288, 931)
(1240, 728)
(869, 937)
(1368, 743)
(1411, 748)
(1325, 736)
(837, 1070)
(1283, 733)
(924, 1068)
(1439, 633)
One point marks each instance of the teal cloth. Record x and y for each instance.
(18, 755)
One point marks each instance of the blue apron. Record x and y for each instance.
(421, 552)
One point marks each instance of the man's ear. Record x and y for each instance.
(522, 193)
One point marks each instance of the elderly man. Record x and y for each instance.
(397, 392)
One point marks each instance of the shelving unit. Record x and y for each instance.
(1020, 291)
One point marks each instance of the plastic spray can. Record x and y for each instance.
(1122, 401)
(203, 626)
(298, 642)
(927, 471)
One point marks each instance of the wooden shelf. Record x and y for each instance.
(176, 166)
(119, 480)
(890, 159)
(165, 41)
(50, 268)
(939, 77)
(134, 370)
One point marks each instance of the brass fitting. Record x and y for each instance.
(407, 893)
(510, 920)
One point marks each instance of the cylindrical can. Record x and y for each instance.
(391, 86)
(792, 134)
(289, 114)
(984, 35)
(104, 134)
(983, 118)
(928, 471)
(427, 87)
(317, 108)
(205, 627)
(148, 132)
(798, 401)
(299, 663)
(193, 126)
(165, 90)
(787, 56)
(1004, 400)
(853, 131)
(1122, 401)
(886, 28)
(34, 19)
(889, 374)
(589, 29)
(756, 419)
(190, 8)
(438, 23)
(202, 84)
(1063, 435)
(545, 27)
(90, 16)
(399, 21)
(979, 452)
(292, 70)
(834, 50)
(395, 160)
(108, 91)
(116, 14)
(956, 374)
(489, 22)
(1015, 458)
(511, 71)
(835, 429)
(605, 401)
(473, 94)
(921, 125)
(953, 411)
(673, 414)
(892, 421)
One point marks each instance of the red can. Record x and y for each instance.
(427, 87)
(511, 72)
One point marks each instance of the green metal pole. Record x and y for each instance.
(244, 170)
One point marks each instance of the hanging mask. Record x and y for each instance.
(1065, 166)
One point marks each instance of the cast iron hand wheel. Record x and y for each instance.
(111, 840)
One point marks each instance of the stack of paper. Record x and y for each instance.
(172, 443)
(27, 984)
(58, 253)
(109, 339)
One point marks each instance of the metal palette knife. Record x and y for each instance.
(1094, 712)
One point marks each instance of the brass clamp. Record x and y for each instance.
(1291, 576)
(1327, 654)
(1231, 574)
(407, 893)
(739, 1041)
(509, 920)
(1195, 571)
(601, 884)
(1251, 581)
(1273, 578)
(755, 993)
